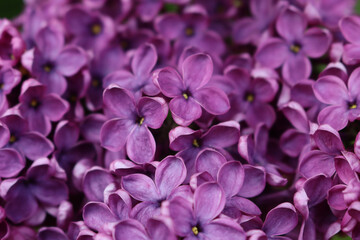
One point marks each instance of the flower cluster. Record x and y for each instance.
(180, 119)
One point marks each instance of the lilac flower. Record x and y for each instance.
(132, 229)
(321, 161)
(348, 26)
(189, 92)
(116, 9)
(39, 108)
(102, 217)
(9, 78)
(190, 29)
(53, 62)
(190, 143)
(169, 174)
(48, 233)
(89, 29)
(257, 27)
(12, 45)
(17, 136)
(250, 96)
(343, 100)
(139, 80)
(147, 10)
(197, 221)
(130, 121)
(27, 197)
(279, 220)
(294, 47)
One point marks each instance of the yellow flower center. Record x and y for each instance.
(185, 96)
(189, 31)
(96, 29)
(237, 3)
(195, 230)
(353, 106)
(250, 97)
(72, 98)
(47, 68)
(12, 139)
(95, 83)
(141, 121)
(1, 85)
(295, 48)
(33, 103)
(196, 143)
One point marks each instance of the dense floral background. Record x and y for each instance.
(179, 119)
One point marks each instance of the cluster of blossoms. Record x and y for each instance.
(180, 119)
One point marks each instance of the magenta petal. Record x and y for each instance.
(280, 220)
(34, 145)
(354, 210)
(54, 82)
(197, 70)
(245, 30)
(291, 24)
(20, 204)
(159, 230)
(255, 181)
(316, 189)
(272, 53)
(212, 100)
(143, 211)
(122, 78)
(209, 160)
(353, 83)
(70, 61)
(331, 90)
(296, 68)
(49, 42)
(293, 141)
(231, 177)
(153, 110)
(316, 41)
(54, 107)
(336, 197)
(222, 135)
(328, 140)
(50, 191)
(170, 173)
(224, 229)
(97, 216)
(170, 82)
(114, 133)
(180, 211)
(294, 112)
(48, 233)
(147, 10)
(11, 163)
(317, 162)
(4, 134)
(244, 205)
(94, 183)
(349, 27)
(335, 116)
(144, 60)
(169, 25)
(141, 146)
(209, 201)
(119, 102)
(130, 229)
(140, 187)
(185, 111)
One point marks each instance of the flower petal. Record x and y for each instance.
(153, 110)
(170, 82)
(222, 135)
(34, 145)
(291, 24)
(197, 71)
(272, 53)
(94, 183)
(70, 61)
(185, 111)
(11, 163)
(209, 160)
(115, 133)
(119, 102)
(335, 116)
(97, 216)
(141, 146)
(170, 173)
(224, 229)
(330, 90)
(317, 162)
(349, 26)
(54, 107)
(231, 178)
(316, 41)
(144, 60)
(130, 229)
(213, 100)
(328, 140)
(255, 181)
(140, 187)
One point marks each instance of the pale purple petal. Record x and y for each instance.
(114, 133)
(70, 61)
(316, 41)
(331, 90)
(212, 100)
(335, 116)
(296, 68)
(209, 160)
(153, 110)
(349, 27)
(224, 229)
(335, 197)
(34, 145)
(197, 71)
(94, 183)
(119, 102)
(328, 140)
(231, 178)
(317, 162)
(97, 216)
(254, 183)
(144, 60)
(185, 111)
(222, 135)
(272, 53)
(170, 173)
(54, 107)
(11, 163)
(180, 211)
(170, 82)
(291, 24)
(130, 229)
(141, 146)
(51, 233)
(140, 187)
(209, 201)
(159, 230)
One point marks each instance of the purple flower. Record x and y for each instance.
(27, 197)
(190, 143)
(12, 45)
(49, 233)
(9, 78)
(296, 44)
(189, 92)
(53, 62)
(349, 26)
(139, 81)
(251, 95)
(130, 121)
(39, 108)
(197, 220)
(190, 29)
(169, 174)
(343, 100)
(17, 136)
(89, 29)
(321, 161)
(132, 229)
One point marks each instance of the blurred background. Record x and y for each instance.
(12, 8)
